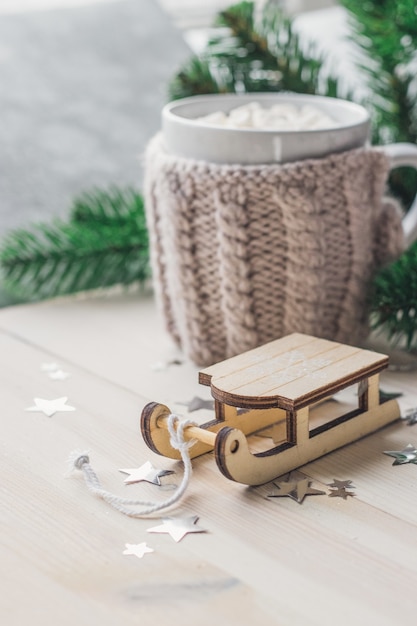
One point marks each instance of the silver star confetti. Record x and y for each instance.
(160, 366)
(137, 549)
(59, 375)
(408, 455)
(178, 527)
(411, 417)
(340, 492)
(297, 490)
(341, 484)
(145, 472)
(50, 407)
(198, 403)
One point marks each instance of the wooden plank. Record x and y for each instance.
(294, 365)
(302, 425)
(300, 353)
(347, 371)
(255, 357)
(295, 388)
(278, 369)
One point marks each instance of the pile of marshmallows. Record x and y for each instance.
(278, 117)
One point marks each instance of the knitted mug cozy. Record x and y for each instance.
(242, 255)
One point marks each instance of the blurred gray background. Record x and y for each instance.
(81, 88)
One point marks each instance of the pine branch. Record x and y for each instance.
(254, 54)
(386, 31)
(91, 250)
(394, 300)
(109, 206)
(195, 78)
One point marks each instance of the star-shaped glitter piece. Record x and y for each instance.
(340, 492)
(178, 527)
(137, 549)
(145, 472)
(297, 490)
(160, 366)
(59, 375)
(50, 407)
(408, 455)
(341, 484)
(198, 403)
(411, 417)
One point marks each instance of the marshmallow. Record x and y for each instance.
(278, 117)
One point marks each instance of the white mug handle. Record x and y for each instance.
(405, 154)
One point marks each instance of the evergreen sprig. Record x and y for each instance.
(394, 300)
(254, 53)
(386, 32)
(112, 206)
(104, 243)
(195, 78)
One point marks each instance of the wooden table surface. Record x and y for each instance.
(263, 561)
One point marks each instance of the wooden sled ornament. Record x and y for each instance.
(283, 393)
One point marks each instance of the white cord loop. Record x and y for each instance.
(176, 426)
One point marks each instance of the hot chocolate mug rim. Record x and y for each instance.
(194, 107)
(185, 135)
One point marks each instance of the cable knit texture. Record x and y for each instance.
(242, 255)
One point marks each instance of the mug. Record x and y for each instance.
(255, 234)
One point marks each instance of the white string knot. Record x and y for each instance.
(81, 460)
(176, 427)
(76, 460)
